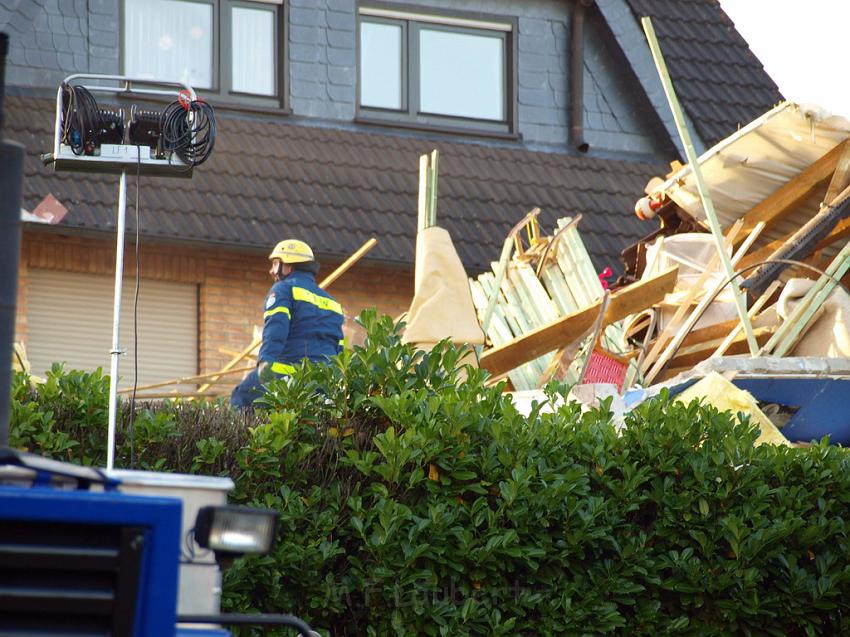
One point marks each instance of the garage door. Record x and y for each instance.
(69, 320)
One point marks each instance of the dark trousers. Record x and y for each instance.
(246, 392)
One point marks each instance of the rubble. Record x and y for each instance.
(787, 170)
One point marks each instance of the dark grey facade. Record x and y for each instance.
(311, 161)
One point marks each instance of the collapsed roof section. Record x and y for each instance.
(776, 169)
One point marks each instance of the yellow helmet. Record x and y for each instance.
(292, 251)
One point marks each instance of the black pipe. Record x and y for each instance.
(4, 49)
(11, 178)
(577, 76)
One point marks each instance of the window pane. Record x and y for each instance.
(253, 51)
(169, 40)
(380, 65)
(461, 74)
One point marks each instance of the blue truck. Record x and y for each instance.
(79, 555)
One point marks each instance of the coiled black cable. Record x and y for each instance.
(82, 119)
(189, 131)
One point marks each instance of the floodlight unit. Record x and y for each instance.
(109, 157)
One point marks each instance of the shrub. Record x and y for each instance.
(413, 503)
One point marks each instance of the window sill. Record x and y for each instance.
(217, 102)
(466, 131)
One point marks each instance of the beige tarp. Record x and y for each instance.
(442, 303)
(828, 334)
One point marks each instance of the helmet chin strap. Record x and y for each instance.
(276, 268)
(279, 274)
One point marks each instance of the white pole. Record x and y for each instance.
(116, 351)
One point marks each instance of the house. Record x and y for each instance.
(323, 108)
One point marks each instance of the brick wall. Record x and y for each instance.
(231, 285)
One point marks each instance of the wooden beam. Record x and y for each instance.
(422, 200)
(737, 346)
(507, 246)
(345, 266)
(839, 232)
(567, 329)
(704, 302)
(841, 176)
(188, 380)
(718, 331)
(713, 332)
(763, 300)
(785, 200)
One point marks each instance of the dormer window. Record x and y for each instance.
(441, 71)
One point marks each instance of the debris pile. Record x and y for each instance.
(779, 190)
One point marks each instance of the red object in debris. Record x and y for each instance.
(185, 98)
(607, 273)
(604, 367)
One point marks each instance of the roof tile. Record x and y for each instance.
(333, 187)
(695, 34)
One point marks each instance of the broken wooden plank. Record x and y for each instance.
(559, 291)
(840, 231)
(346, 265)
(754, 310)
(567, 329)
(737, 345)
(704, 302)
(188, 380)
(503, 327)
(840, 178)
(720, 330)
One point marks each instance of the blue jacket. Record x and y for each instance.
(300, 320)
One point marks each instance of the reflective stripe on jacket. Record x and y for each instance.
(300, 320)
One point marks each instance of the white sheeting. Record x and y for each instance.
(750, 165)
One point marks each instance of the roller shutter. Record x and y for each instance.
(69, 319)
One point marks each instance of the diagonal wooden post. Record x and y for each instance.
(708, 206)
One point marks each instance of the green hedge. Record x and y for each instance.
(415, 504)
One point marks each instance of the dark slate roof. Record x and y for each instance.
(719, 81)
(272, 178)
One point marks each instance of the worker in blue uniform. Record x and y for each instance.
(300, 321)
